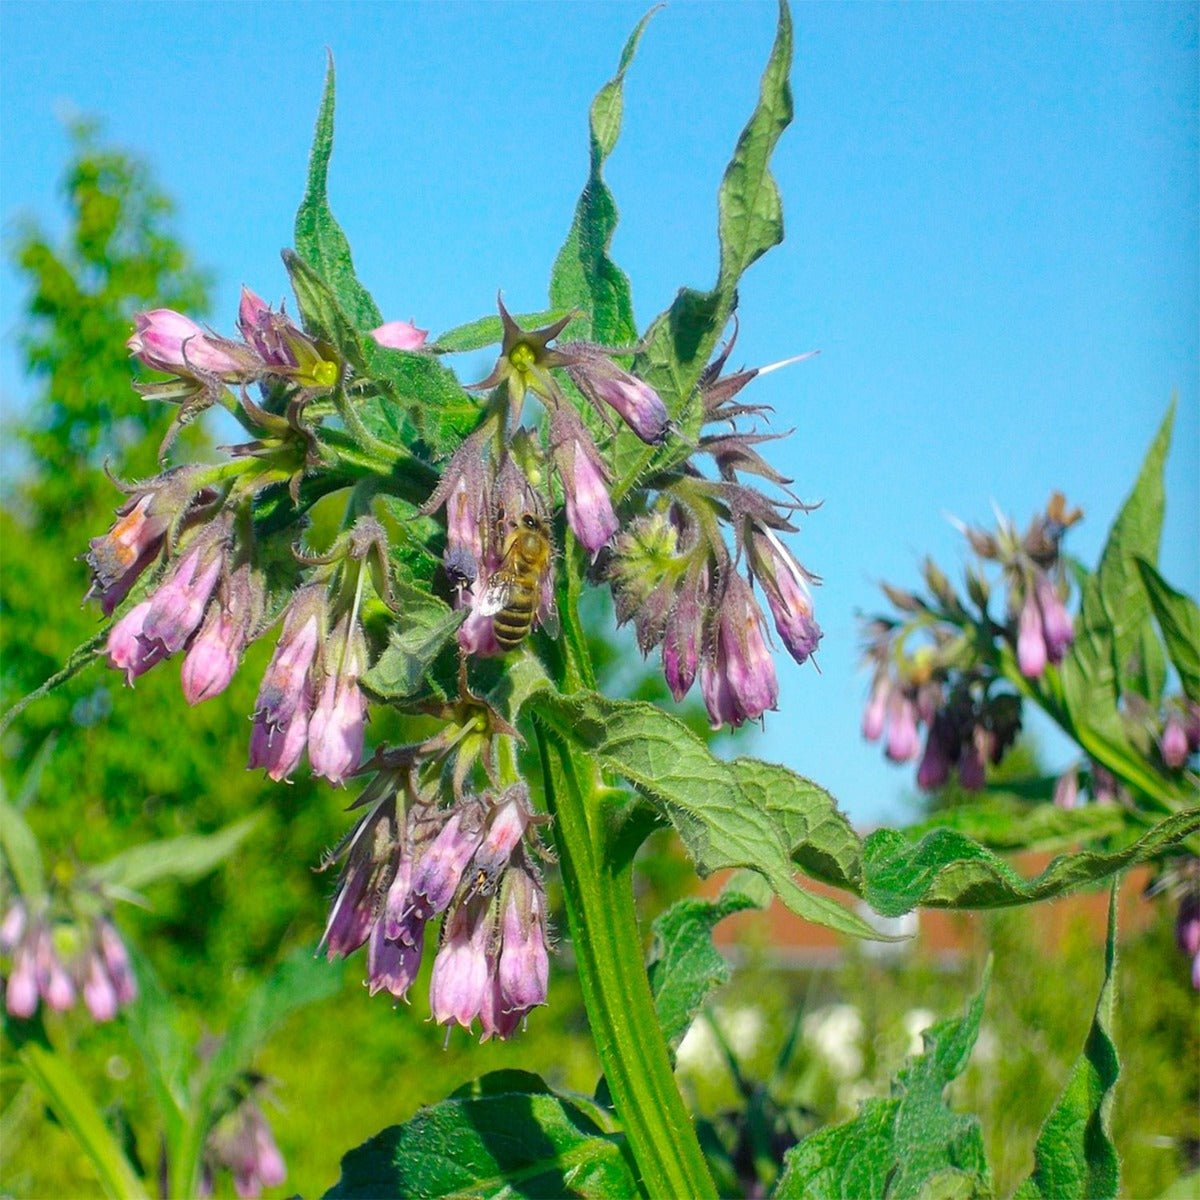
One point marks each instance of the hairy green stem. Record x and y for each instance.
(597, 874)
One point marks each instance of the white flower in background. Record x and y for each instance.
(916, 1021)
(743, 1028)
(835, 1034)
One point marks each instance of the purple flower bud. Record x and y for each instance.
(941, 751)
(746, 685)
(336, 729)
(523, 970)
(116, 961)
(279, 749)
(589, 509)
(213, 656)
(1187, 925)
(495, 1019)
(718, 696)
(12, 928)
(128, 650)
(168, 341)
(1174, 744)
(602, 381)
(371, 865)
(401, 922)
(393, 964)
(1031, 641)
(1056, 621)
(400, 335)
(875, 714)
(177, 607)
(461, 983)
(437, 875)
(56, 986)
(786, 584)
(971, 766)
(271, 1169)
(1066, 789)
(98, 992)
(21, 989)
(682, 637)
(506, 827)
(902, 741)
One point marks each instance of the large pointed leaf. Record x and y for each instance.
(77, 1113)
(584, 277)
(184, 858)
(492, 1141)
(720, 823)
(319, 238)
(488, 331)
(1004, 823)
(685, 966)
(944, 869)
(417, 639)
(907, 1146)
(1109, 628)
(21, 852)
(1179, 619)
(1075, 1158)
(681, 340)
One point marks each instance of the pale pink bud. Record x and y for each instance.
(279, 749)
(589, 509)
(336, 729)
(743, 657)
(213, 656)
(1066, 789)
(400, 335)
(21, 989)
(56, 986)
(437, 874)
(875, 714)
(523, 971)
(12, 928)
(789, 595)
(392, 965)
(177, 607)
(272, 1170)
(169, 341)
(1174, 745)
(119, 557)
(902, 741)
(128, 650)
(461, 982)
(1056, 621)
(1031, 641)
(98, 992)
(509, 820)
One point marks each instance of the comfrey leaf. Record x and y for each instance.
(1179, 619)
(907, 1146)
(1075, 1158)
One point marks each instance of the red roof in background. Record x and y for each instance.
(941, 934)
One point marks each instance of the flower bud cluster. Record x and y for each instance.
(934, 665)
(243, 1144)
(471, 863)
(95, 969)
(673, 575)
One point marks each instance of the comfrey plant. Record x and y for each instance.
(474, 517)
(963, 667)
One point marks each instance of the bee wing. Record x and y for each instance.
(495, 596)
(548, 620)
(547, 613)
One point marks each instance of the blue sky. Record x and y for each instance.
(991, 211)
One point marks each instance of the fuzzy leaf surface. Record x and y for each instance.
(907, 1146)
(506, 1136)
(685, 966)
(1002, 822)
(426, 624)
(1075, 1158)
(944, 869)
(719, 822)
(319, 238)
(488, 331)
(584, 277)
(1179, 619)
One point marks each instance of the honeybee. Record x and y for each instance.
(514, 593)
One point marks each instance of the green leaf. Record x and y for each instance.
(685, 965)
(822, 841)
(183, 858)
(1179, 619)
(21, 852)
(584, 277)
(681, 340)
(488, 331)
(907, 1146)
(1075, 1158)
(426, 625)
(510, 1136)
(719, 823)
(319, 238)
(1103, 660)
(944, 869)
(299, 980)
(1135, 534)
(79, 1116)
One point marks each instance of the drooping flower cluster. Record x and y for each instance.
(472, 863)
(932, 666)
(242, 1143)
(674, 576)
(60, 962)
